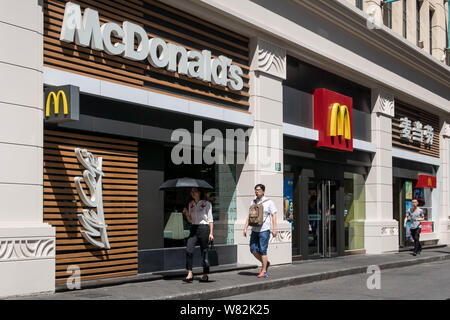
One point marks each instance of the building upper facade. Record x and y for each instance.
(337, 36)
(424, 23)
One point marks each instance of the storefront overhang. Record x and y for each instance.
(313, 135)
(150, 99)
(411, 156)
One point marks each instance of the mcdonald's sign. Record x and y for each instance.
(426, 181)
(333, 118)
(61, 103)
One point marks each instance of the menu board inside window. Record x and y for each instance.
(415, 130)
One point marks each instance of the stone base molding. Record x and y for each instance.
(381, 236)
(280, 247)
(444, 231)
(27, 259)
(25, 249)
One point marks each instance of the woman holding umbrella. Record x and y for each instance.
(200, 216)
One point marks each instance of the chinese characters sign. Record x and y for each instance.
(416, 131)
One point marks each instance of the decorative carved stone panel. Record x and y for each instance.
(271, 59)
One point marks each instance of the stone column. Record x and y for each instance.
(411, 22)
(264, 163)
(439, 30)
(380, 230)
(425, 25)
(373, 9)
(444, 222)
(397, 17)
(27, 245)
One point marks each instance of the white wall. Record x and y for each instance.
(27, 245)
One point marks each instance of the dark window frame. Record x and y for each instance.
(418, 7)
(431, 15)
(405, 21)
(387, 15)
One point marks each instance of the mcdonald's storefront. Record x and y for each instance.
(326, 163)
(107, 137)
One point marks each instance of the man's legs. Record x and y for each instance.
(263, 244)
(255, 249)
(419, 246)
(263, 259)
(415, 236)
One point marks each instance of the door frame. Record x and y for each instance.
(320, 173)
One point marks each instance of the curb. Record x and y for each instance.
(93, 284)
(298, 280)
(431, 246)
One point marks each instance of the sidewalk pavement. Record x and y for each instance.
(231, 283)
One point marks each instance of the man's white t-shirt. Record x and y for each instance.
(269, 209)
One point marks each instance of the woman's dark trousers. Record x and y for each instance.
(415, 234)
(199, 235)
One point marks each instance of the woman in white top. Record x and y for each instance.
(200, 215)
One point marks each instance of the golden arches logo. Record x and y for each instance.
(342, 115)
(56, 98)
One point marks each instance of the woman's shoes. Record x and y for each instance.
(202, 279)
(188, 280)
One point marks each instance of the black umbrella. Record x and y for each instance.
(185, 183)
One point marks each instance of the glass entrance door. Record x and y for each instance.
(322, 209)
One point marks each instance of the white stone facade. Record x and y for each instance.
(267, 71)
(27, 245)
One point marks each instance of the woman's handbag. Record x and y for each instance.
(213, 258)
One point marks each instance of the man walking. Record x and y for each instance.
(259, 239)
(415, 216)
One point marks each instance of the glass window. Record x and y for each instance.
(405, 31)
(354, 210)
(418, 6)
(387, 15)
(359, 4)
(431, 31)
(298, 107)
(222, 177)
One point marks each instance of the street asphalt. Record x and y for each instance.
(428, 281)
(238, 282)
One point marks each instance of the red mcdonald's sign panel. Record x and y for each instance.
(427, 227)
(426, 181)
(333, 118)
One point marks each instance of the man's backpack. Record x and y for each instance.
(256, 214)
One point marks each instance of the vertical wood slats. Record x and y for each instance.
(160, 20)
(415, 114)
(120, 201)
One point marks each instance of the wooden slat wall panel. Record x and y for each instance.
(415, 114)
(159, 20)
(120, 201)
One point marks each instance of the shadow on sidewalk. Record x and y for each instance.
(246, 273)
